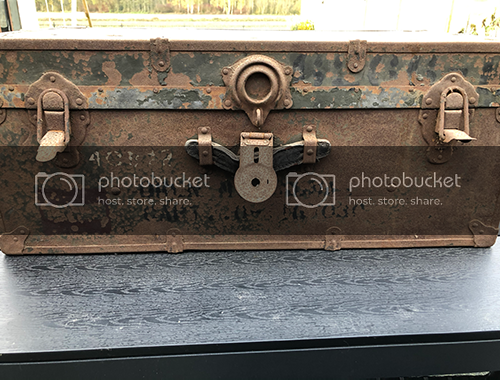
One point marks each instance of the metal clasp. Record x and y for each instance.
(53, 124)
(256, 180)
(453, 118)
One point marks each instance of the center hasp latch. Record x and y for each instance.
(258, 160)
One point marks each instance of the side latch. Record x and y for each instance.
(256, 180)
(445, 116)
(57, 108)
(356, 55)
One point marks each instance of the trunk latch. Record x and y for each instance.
(256, 180)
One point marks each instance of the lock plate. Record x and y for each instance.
(256, 180)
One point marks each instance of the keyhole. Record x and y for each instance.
(255, 182)
(256, 155)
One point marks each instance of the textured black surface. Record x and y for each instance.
(82, 302)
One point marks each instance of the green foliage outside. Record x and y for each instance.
(306, 25)
(245, 7)
(490, 27)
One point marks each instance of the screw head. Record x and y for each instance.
(440, 157)
(227, 103)
(424, 116)
(472, 100)
(288, 71)
(79, 101)
(309, 129)
(11, 88)
(428, 101)
(310, 152)
(286, 102)
(453, 79)
(204, 130)
(161, 63)
(355, 65)
(52, 78)
(225, 71)
(31, 101)
(82, 117)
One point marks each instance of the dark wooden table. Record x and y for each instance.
(262, 315)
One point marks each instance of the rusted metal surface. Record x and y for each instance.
(370, 120)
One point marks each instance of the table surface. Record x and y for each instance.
(58, 303)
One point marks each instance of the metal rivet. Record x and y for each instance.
(155, 90)
(286, 102)
(309, 129)
(204, 130)
(440, 157)
(115, 190)
(82, 117)
(288, 71)
(22, 232)
(31, 101)
(161, 63)
(74, 228)
(227, 103)
(420, 77)
(428, 101)
(52, 78)
(475, 225)
(209, 90)
(79, 101)
(481, 232)
(472, 100)
(65, 160)
(355, 65)
(453, 79)
(225, 71)
(424, 116)
(100, 89)
(205, 153)
(11, 88)
(173, 234)
(305, 90)
(412, 90)
(356, 90)
(309, 152)
(16, 239)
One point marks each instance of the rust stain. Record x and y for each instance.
(401, 80)
(329, 74)
(79, 56)
(178, 79)
(198, 78)
(11, 56)
(330, 56)
(143, 78)
(114, 76)
(350, 78)
(18, 102)
(380, 67)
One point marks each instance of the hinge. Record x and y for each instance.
(356, 55)
(13, 242)
(160, 54)
(484, 236)
(310, 144)
(205, 146)
(174, 244)
(333, 239)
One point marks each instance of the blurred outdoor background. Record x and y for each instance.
(441, 16)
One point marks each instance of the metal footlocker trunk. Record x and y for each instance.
(208, 140)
